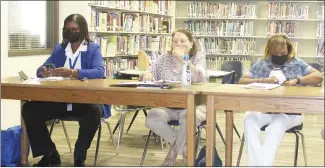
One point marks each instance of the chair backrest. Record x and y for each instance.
(315, 65)
(143, 61)
(232, 66)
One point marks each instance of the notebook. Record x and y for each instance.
(155, 84)
(263, 86)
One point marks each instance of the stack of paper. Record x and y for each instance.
(263, 86)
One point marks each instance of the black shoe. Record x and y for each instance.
(78, 162)
(50, 160)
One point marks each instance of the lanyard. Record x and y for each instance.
(75, 61)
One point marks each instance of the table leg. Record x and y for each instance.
(24, 141)
(211, 131)
(229, 137)
(190, 128)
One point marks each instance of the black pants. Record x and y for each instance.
(35, 114)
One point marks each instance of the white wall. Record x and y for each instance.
(10, 109)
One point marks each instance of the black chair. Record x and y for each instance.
(70, 118)
(315, 65)
(233, 66)
(124, 110)
(175, 123)
(294, 130)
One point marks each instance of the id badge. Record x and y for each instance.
(69, 107)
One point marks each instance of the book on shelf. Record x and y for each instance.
(227, 46)
(320, 30)
(128, 22)
(320, 48)
(112, 67)
(221, 28)
(217, 62)
(152, 6)
(221, 10)
(285, 10)
(282, 27)
(130, 44)
(320, 12)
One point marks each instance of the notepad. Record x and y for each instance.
(263, 86)
(163, 85)
(214, 73)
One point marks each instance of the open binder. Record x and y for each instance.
(148, 84)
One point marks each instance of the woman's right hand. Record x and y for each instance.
(271, 79)
(45, 72)
(146, 77)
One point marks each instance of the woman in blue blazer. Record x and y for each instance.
(76, 57)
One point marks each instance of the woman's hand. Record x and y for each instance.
(146, 77)
(271, 79)
(178, 53)
(45, 72)
(291, 82)
(63, 72)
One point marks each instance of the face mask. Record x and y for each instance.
(71, 36)
(279, 60)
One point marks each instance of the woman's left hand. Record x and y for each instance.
(64, 72)
(178, 53)
(291, 82)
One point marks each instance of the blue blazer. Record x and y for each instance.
(92, 66)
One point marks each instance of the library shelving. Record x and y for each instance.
(124, 27)
(232, 22)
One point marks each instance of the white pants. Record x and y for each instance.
(263, 154)
(158, 118)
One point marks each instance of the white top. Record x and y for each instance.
(73, 56)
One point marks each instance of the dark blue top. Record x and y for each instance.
(92, 66)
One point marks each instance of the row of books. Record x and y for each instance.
(130, 44)
(320, 12)
(153, 6)
(112, 67)
(216, 63)
(221, 10)
(128, 22)
(221, 28)
(320, 30)
(321, 48)
(282, 10)
(227, 46)
(282, 27)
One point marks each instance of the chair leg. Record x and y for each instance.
(161, 142)
(117, 124)
(98, 140)
(220, 133)
(110, 132)
(145, 148)
(303, 146)
(52, 126)
(120, 132)
(296, 150)
(133, 118)
(198, 140)
(145, 113)
(66, 135)
(240, 150)
(236, 131)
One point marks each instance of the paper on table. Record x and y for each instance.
(263, 86)
(214, 73)
(52, 78)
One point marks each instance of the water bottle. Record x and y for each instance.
(186, 72)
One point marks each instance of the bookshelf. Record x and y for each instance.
(239, 29)
(124, 27)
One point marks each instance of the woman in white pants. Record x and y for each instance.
(168, 67)
(278, 66)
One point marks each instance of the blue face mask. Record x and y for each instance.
(279, 60)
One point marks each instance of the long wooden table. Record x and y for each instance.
(99, 92)
(235, 98)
